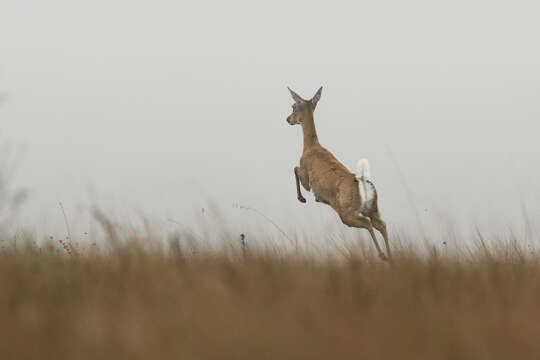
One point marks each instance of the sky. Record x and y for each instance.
(157, 108)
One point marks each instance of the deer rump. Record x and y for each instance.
(368, 194)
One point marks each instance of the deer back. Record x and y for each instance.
(330, 180)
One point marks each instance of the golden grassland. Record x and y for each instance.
(131, 301)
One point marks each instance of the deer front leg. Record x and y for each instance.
(301, 176)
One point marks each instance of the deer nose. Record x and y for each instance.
(289, 120)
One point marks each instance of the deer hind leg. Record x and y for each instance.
(363, 222)
(380, 225)
(301, 177)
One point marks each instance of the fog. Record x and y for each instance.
(156, 108)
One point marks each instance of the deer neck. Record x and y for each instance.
(310, 133)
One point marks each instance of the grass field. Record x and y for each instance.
(127, 300)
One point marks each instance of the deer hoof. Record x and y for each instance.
(301, 199)
(383, 257)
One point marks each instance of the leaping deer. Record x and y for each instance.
(352, 196)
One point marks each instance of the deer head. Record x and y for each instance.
(302, 108)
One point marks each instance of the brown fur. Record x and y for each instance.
(329, 180)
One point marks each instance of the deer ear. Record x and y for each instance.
(316, 97)
(297, 99)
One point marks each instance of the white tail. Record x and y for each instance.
(362, 168)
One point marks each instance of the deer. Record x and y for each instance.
(352, 196)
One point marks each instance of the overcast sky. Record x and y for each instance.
(155, 107)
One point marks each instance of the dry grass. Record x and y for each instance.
(136, 303)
